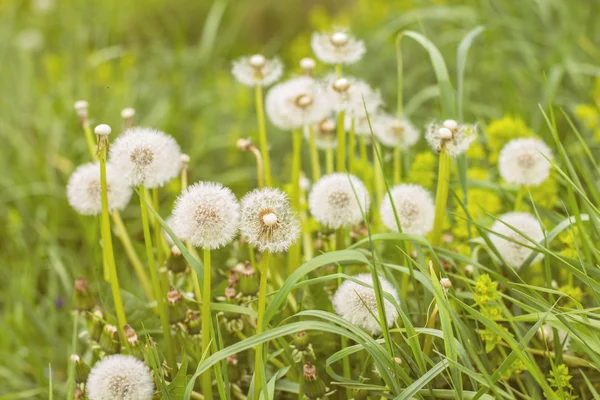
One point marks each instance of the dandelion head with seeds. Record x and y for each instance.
(455, 138)
(394, 132)
(546, 333)
(525, 161)
(120, 377)
(325, 134)
(414, 207)
(297, 102)
(257, 70)
(351, 95)
(339, 200)
(358, 304)
(267, 221)
(146, 157)
(517, 226)
(85, 194)
(206, 215)
(337, 47)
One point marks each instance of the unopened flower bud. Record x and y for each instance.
(82, 298)
(176, 263)
(95, 324)
(109, 340)
(248, 281)
(78, 394)
(193, 322)
(243, 144)
(134, 342)
(446, 283)
(82, 370)
(469, 269)
(301, 340)
(314, 387)
(176, 306)
(102, 130)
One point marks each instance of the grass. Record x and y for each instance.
(515, 68)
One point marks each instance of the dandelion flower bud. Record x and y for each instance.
(120, 377)
(257, 70)
(176, 306)
(455, 138)
(267, 221)
(524, 161)
(243, 144)
(297, 102)
(414, 207)
(446, 283)
(526, 225)
(357, 304)
(146, 157)
(339, 200)
(84, 192)
(82, 370)
(127, 113)
(102, 130)
(325, 134)
(307, 65)
(81, 108)
(193, 322)
(206, 215)
(337, 47)
(109, 340)
(393, 132)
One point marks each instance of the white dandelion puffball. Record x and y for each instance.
(257, 70)
(325, 134)
(337, 47)
(84, 192)
(206, 215)
(339, 200)
(524, 161)
(394, 132)
(297, 102)
(120, 377)
(267, 221)
(514, 253)
(146, 157)
(414, 207)
(546, 333)
(357, 304)
(347, 94)
(450, 135)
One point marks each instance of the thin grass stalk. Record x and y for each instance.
(397, 165)
(314, 154)
(364, 155)
(262, 134)
(294, 253)
(206, 325)
(262, 302)
(341, 143)
(89, 138)
(441, 197)
(329, 161)
(260, 170)
(351, 146)
(379, 184)
(340, 245)
(519, 198)
(158, 236)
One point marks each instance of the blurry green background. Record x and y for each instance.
(170, 60)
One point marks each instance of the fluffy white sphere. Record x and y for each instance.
(267, 221)
(514, 253)
(454, 137)
(414, 207)
(120, 377)
(337, 47)
(206, 215)
(257, 70)
(84, 191)
(357, 304)
(347, 94)
(146, 157)
(339, 200)
(522, 162)
(392, 132)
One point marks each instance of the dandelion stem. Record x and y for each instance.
(191, 249)
(340, 245)
(441, 197)
(351, 146)
(329, 160)
(206, 325)
(379, 184)
(158, 237)
(294, 253)
(364, 156)
(314, 154)
(89, 138)
(430, 324)
(262, 134)
(262, 300)
(341, 143)
(519, 198)
(397, 165)
(260, 174)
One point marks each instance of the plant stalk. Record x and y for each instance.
(341, 143)
(314, 154)
(206, 325)
(262, 134)
(262, 301)
(441, 197)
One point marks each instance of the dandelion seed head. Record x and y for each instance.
(524, 161)
(127, 113)
(257, 70)
(307, 65)
(546, 333)
(358, 304)
(450, 135)
(339, 200)
(325, 134)
(338, 47)
(120, 377)
(515, 253)
(102, 130)
(347, 94)
(394, 132)
(414, 207)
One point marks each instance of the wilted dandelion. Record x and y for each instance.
(525, 162)
(206, 215)
(324, 134)
(146, 157)
(339, 200)
(338, 47)
(358, 304)
(514, 253)
(455, 138)
(257, 70)
(394, 132)
(84, 192)
(414, 207)
(120, 377)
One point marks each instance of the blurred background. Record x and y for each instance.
(171, 60)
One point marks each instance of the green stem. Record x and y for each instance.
(441, 197)
(364, 157)
(158, 236)
(262, 134)
(340, 245)
(351, 146)
(329, 160)
(397, 165)
(379, 184)
(89, 138)
(262, 301)
(519, 198)
(294, 253)
(158, 294)
(314, 154)
(191, 249)
(341, 143)
(206, 325)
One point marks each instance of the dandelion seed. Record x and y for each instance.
(515, 253)
(257, 70)
(394, 132)
(358, 304)
(85, 194)
(267, 221)
(339, 200)
(206, 215)
(146, 157)
(414, 207)
(454, 137)
(337, 47)
(525, 162)
(120, 377)
(351, 95)
(325, 134)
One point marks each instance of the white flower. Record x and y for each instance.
(120, 377)
(325, 134)
(297, 102)
(514, 253)
(362, 127)
(414, 207)
(454, 137)
(525, 162)
(546, 333)
(339, 200)
(347, 95)
(257, 70)
(393, 132)
(84, 192)
(357, 304)
(337, 47)
(206, 215)
(146, 157)
(267, 221)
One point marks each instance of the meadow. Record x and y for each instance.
(379, 199)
